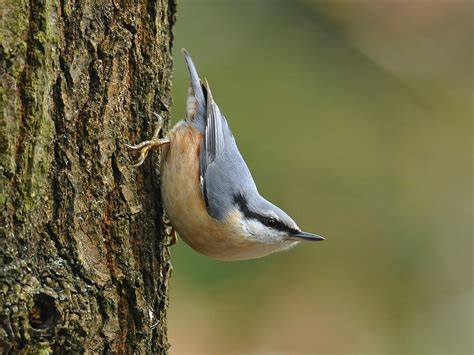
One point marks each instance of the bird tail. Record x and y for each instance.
(196, 101)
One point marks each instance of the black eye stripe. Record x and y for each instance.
(241, 201)
(283, 227)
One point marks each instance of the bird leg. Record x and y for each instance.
(155, 142)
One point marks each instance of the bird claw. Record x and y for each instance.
(145, 146)
(173, 238)
(158, 117)
(130, 146)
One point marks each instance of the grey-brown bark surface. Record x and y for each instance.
(83, 262)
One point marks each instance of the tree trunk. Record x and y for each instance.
(84, 266)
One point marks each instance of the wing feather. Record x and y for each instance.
(224, 173)
(218, 136)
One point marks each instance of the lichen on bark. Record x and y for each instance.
(83, 261)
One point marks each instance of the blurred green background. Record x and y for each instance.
(355, 117)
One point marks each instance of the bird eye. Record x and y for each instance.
(271, 222)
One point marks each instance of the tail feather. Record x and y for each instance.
(196, 104)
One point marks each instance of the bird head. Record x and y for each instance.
(263, 221)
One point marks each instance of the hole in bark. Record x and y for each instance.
(44, 314)
(7, 259)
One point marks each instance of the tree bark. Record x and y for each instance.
(83, 262)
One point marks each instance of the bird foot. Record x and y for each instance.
(155, 142)
(173, 238)
(145, 146)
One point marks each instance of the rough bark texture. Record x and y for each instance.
(83, 262)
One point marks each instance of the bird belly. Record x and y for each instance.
(185, 206)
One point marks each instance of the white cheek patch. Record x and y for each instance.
(254, 230)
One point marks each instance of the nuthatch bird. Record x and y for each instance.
(207, 189)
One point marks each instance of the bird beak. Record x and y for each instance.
(305, 236)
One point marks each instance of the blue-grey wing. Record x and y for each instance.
(224, 173)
